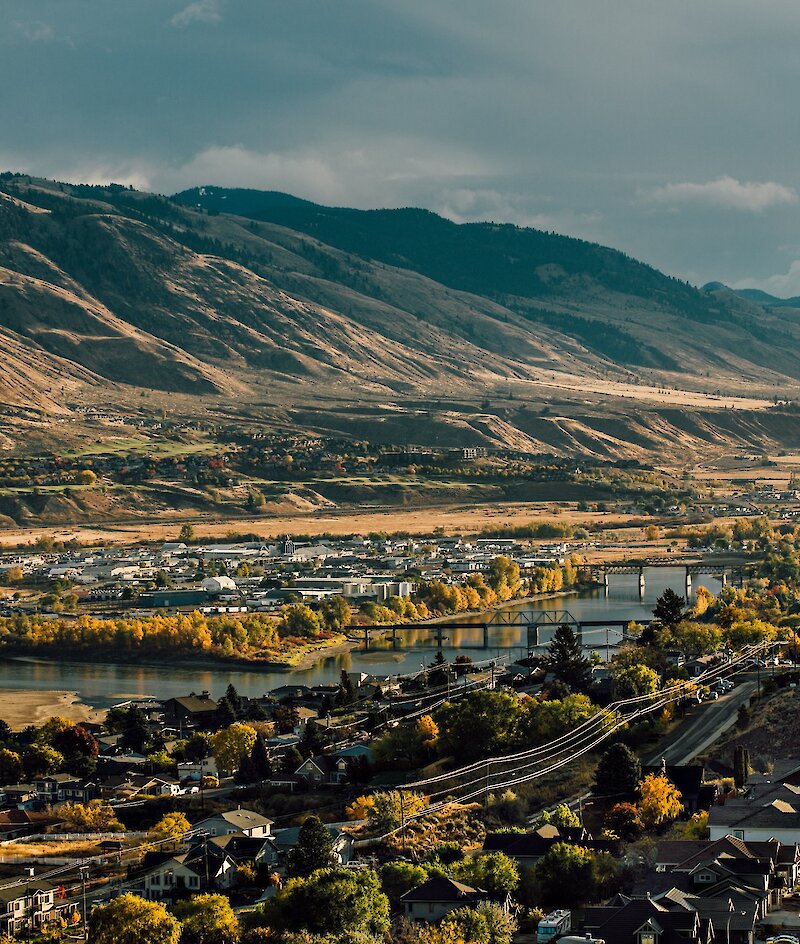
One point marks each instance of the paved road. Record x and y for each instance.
(705, 726)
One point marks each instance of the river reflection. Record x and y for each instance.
(106, 684)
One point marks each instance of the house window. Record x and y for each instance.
(647, 937)
(705, 877)
(738, 834)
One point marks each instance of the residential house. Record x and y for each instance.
(324, 770)
(28, 903)
(343, 843)
(437, 897)
(526, 849)
(16, 823)
(753, 819)
(232, 822)
(190, 711)
(644, 921)
(58, 788)
(203, 868)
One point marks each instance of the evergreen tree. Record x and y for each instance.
(312, 740)
(225, 715)
(669, 608)
(565, 659)
(741, 766)
(291, 760)
(314, 849)
(618, 773)
(261, 760)
(232, 697)
(135, 731)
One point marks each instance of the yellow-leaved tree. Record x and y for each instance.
(661, 800)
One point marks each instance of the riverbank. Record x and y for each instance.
(20, 707)
(298, 657)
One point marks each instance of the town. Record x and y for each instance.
(556, 788)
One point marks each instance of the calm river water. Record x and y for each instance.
(105, 685)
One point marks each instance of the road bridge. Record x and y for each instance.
(735, 568)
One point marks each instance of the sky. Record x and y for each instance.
(665, 128)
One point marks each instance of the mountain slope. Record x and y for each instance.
(365, 323)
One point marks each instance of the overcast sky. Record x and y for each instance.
(666, 128)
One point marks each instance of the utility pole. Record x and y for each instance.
(84, 872)
(403, 820)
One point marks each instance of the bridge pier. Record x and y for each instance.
(394, 637)
(723, 578)
(688, 584)
(605, 582)
(366, 639)
(439, 636)
(485, 635)
(641, 582)
(533, 637)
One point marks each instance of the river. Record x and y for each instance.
(102, 685)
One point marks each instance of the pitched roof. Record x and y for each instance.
(444, 889)
(241, 819)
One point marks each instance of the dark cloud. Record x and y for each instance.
(666, 129)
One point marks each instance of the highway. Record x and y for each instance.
(706, 724)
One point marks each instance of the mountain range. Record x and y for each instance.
(394, 325)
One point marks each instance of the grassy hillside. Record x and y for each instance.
(372, 323)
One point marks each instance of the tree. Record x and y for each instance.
(258, 765)
(741, 766)
(494, 872)
(292, 759)
(172, 827)
(661, 800)
(486, 923)
(564, 817)
(187, 534)
(618, 772)
(312, 740)
(635, 680)
(565, 659)
(232, 744)
(208, 919)
(565, 876)
(397, 878)
(14, 574)
(330, 901)
(135, 730)
(10, 767)
(335, 614)
(479, 724)
(41, 759)
(314, 849)
(96, 816)
(197, 747)
(503, 577)
(624, 821)
(50, 730)
(299, 620)
(389, 807)
(76, 740)
(669, 608)
(130, 919)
